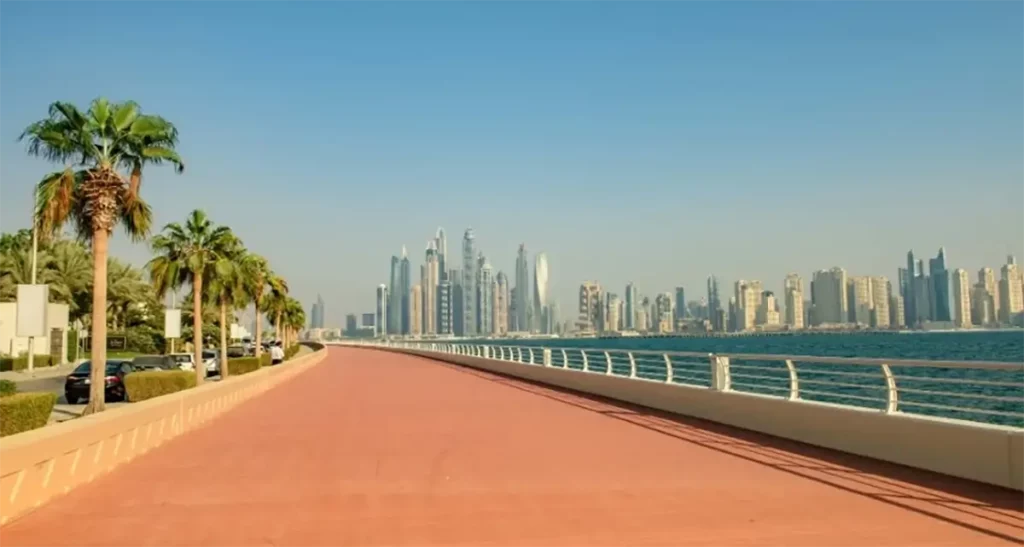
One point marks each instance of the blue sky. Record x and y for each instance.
(656, 142)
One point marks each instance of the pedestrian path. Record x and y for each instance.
(376, 448)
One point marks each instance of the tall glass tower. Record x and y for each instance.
(469, 311)
(405, 284)
(394, 314)
(540, 294)
(522, 295)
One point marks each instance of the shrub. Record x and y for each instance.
(7, 387)
(291, 351)
(25, 411)
(21, 362)
(72, 345)
(154, 383)
(242, 365)
(265, 359)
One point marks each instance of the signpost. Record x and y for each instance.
(31, 320)
(172, 325)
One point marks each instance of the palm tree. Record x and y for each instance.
(227, 290)
(125, 287)
(16, 269)
(294, 319)
(255, 272)
(187, 255)
(91, 194)
(71, 277)
(276, 302)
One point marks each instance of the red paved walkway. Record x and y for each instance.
(376, 448)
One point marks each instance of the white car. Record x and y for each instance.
(212, 362)
(185, 361)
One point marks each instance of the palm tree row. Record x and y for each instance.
(103, 152)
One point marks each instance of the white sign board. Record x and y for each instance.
(32, 304)
(172, 323)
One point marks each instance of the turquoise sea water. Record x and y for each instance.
(988, 396)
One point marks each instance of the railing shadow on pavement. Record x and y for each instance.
(983, 508)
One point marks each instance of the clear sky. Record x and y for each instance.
(654, 142)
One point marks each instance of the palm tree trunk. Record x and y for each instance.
(223, 338)
(197, 325)
(259, 327)
(97, 391)
(277, 328)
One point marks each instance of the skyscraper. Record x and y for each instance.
(961, 298)
(441, 244)
(469, 309)
(793, 296)
(380, 325)
(501, 301)
(987, 281)
(430, 280)
(1011, 293)
(484, 297)
(444, 306)
(540, 294)
(394, 315)
(416, 310)
(859, 300)
(522, 303)
(629, 317)
(939, 287)
(748, 299)
(910, 290)
(829, 296)
(715, 305)
(405, 280)
(351, 324)
(680, 307)
(614, 313)
(589, 307)
(878, 286)
(768, 310)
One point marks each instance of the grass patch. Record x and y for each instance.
(243, 365)
(148, 384)
(25, 411)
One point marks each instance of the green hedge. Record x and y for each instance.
(7, 387)
(154, 383)
(25, 411)
(72, 345)
(242, 365)
(21, 362)
(265, 359)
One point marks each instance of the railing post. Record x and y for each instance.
(565, 359)
(531, 355)
(632, 366)
(519, 354)
(794, 383)
(586, 367)
(487, 352)
(547, 357)
(608, 363)
(719, 372)
(892, 401)
(668, 370)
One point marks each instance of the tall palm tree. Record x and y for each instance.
(16, 269)
(125, 287)
(71, 277)
(294, 319)
(255, 272)
(276, 302)
(91, 194)
(227, 290)
(188, 255)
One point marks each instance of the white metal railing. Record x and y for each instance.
(981, 391)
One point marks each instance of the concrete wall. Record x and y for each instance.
(37, 465)
(985, 453)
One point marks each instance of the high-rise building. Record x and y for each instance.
(416, 310)
(793, 295)
(1011, 292)
(923, 291)
(987, 280)
(614, 313)
(961, 298)
(351, 324)
(394, 315)
(680, 307)
(320, 312)
(718, 318)
(484, 296)
(522, 295)
(589, 307)
(501, 301)
(629, 317)
(380, 325)
(441, 245)
(748, 298)
(768, 310)
(859, 301)
(939, 287)
(469, 309)
(879, 289)
(444, 306)
(910, 291)
(897, 314)
(405, 279)
(457, 303)
(430, 280)
(663, 314)
(829, 296)
(540, 294)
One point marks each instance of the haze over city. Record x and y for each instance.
(656, 143)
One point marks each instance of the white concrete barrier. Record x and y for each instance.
(985, 453)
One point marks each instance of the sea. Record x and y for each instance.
(990, 396)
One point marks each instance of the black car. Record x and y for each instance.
(155, 362)
(77, 384)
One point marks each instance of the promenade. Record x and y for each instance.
(377, 448)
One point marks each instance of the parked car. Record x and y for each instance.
(237, 351)
(211, 361)
(77, 384)
(185, 361)
(155, 362)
